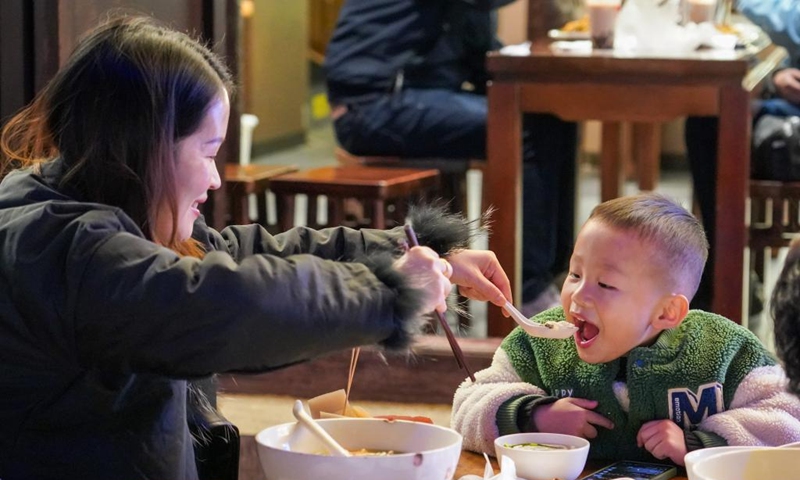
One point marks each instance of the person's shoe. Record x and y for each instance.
(549, 298)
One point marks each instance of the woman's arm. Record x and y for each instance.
(780, 19)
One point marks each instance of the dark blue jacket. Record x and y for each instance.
(434, 43)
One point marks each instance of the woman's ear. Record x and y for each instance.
(673, 310)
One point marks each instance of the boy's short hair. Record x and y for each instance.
(663, 222)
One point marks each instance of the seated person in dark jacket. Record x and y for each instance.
(781, 21)
(115, 292)
(407, 78)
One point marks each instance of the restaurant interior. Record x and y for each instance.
(276, 49)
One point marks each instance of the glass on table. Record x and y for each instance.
(602, 20)
(699, 11)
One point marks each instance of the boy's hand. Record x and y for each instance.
(663, 439)
(571, 416)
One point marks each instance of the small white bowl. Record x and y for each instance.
(751, 464)
(544, 464)
(693, 458)
(291, 452)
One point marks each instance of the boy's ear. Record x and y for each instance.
(673, 310)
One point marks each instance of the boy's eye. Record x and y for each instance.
(606, 286)
(574, 275)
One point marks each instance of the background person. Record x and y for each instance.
(780, 19)
(114, 290)
(408, 78)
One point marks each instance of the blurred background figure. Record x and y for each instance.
(780, 19)
(408, 79)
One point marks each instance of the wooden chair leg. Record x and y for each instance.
(610, 171)
(312, 214)
(285, 205)
(261, 207)
(378, 213)
(647, 145)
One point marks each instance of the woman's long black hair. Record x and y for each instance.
(115, 111)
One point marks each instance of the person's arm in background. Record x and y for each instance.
(780, 19)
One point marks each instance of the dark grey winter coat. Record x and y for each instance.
(100, 328)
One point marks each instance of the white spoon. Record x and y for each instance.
(305, 419)
(560, 329)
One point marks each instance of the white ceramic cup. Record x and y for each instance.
(692, 458)
(756, 463)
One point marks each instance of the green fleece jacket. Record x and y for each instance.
(709, 375)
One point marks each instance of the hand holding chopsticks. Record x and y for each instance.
(448, 271)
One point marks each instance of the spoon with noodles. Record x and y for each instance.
(305, 419)
(560, 329)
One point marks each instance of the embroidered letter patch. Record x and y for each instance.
(687, 408)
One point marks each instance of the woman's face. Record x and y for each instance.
(196, 171)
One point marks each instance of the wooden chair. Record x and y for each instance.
(774, 218)
(452, 172)
(243, 180)
(384, 192)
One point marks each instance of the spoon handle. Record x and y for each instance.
(308, 422)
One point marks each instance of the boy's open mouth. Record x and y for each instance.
(586, 333)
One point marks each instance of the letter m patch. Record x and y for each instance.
(687, 408)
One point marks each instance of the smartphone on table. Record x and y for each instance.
(634, 470)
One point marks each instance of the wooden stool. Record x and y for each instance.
(243, 180)
(374, 187)
(774, 218)
(452, 171)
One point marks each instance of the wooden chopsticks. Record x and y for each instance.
(462, 363)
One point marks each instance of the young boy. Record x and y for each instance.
(643, 377)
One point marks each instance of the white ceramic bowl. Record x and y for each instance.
(693, 458)
(750, 464)
(290, 452)
(544, 464)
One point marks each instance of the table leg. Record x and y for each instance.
(610, 165)
(647, 148)
(502, 188)
(733, 173)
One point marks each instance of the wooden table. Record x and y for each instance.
(472, 463)
(613, 88)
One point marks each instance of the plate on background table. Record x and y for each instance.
(557, 34)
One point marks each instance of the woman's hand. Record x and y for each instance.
(428, 272)
(479, 276)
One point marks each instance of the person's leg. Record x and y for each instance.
(416, 123)
(548, 210)
(439, 123)
(701, 150)
(776, 106)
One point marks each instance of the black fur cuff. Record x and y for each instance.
(408, 317)
(443, 231)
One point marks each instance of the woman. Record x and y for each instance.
(115, 291)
